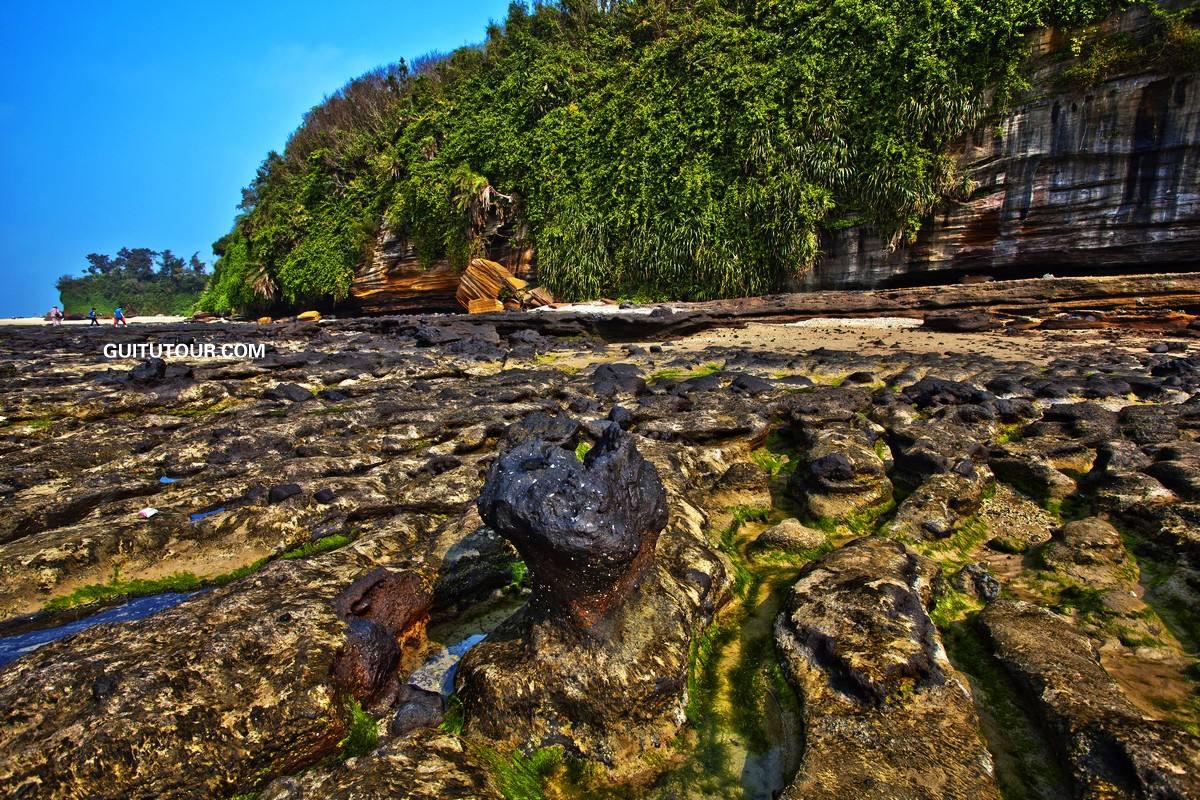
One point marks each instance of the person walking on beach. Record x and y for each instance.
(92, 317)
(55, 316)
(119, 317)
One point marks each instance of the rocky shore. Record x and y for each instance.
(697, 552)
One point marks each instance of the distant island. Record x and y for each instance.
(141, 280)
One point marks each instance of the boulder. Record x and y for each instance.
(609, 380)
(586, 529)
(149, 371)
(415, 708)
(843, 475)
(289, 392)
(597, 661)
(743, 484)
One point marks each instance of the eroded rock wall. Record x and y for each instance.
(1076, 181)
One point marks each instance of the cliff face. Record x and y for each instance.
(1072, 181)
(393, 281)
(1092, 181)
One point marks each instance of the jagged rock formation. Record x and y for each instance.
(586, 530)
(598, 660)
(247, 684)
(1082, 181)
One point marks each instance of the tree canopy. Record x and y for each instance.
(648, 148)
(141, 280)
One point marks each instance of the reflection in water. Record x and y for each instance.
(13, 647)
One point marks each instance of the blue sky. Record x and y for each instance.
(137, 123)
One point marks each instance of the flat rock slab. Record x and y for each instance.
(1112, 749)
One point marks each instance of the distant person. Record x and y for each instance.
(119, 317)
(55, 316)
(92, 317)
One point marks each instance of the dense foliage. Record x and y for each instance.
(132, 279)
(645, 148)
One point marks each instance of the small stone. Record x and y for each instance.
(977, 581)
(790, 535)
(282, 492)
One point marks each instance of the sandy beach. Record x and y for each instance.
(103, 320)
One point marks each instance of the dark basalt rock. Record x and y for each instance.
(282, 492)
(609, 380)
(1150, 424)
(585, 529)
(751, 385)
(556, 429)
(149, 371)
(931, 391)
(623, 417)
(415, 708)
(289, 392)
(1181, 476)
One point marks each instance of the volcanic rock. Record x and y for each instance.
(885, 715)
(586, 529)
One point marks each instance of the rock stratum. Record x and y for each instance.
(696, 552)
(1077, 180)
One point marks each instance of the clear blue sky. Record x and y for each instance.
(137, 123)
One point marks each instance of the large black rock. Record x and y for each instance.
(586, 529)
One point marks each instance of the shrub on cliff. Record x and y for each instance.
(650, 148)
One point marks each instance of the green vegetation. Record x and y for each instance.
(317, 546)
(118, 589)
(857, 522)
(520, 777)
(1173, 47)
(1026, 767)
(518, 572)
(581, 450)
(363, 734)
(675, 374)
(131, 281)
(454, 718)
(645, 149)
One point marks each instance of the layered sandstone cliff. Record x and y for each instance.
(1095, 180)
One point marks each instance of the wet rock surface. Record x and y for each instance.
(663, 502)
(585, 528)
